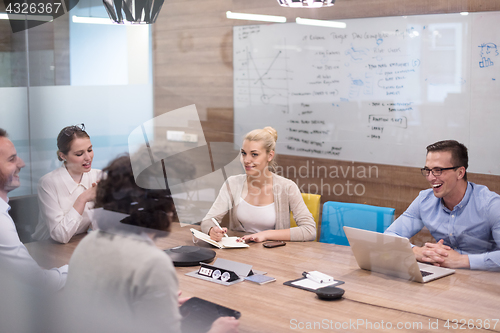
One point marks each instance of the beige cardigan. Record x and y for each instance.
(286, 197)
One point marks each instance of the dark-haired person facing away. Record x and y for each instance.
(119, 281)
(66, 194)
(462, 216)
(16, 264)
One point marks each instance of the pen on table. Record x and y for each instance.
(218, 226)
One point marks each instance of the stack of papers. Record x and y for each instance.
(310, 284)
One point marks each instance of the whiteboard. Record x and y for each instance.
(378, 91)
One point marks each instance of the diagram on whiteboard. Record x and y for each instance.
(262, 78)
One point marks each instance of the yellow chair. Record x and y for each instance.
(313, 203)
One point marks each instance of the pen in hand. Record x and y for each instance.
(218, 226)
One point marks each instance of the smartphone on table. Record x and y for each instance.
(274, 244)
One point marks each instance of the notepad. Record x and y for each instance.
(225, 243)
(309, 284)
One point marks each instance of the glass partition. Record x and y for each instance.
(63, 73)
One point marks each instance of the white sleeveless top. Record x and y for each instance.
(256, 218)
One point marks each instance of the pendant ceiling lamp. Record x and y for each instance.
(133, 11)
(306, 3)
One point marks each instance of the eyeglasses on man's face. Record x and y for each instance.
(436, 171)
(75, 128)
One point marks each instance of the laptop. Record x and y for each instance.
(390, 255)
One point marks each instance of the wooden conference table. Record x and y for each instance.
(465, 301)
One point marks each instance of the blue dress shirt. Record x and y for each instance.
(472, 227)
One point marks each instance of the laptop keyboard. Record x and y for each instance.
(425, 273)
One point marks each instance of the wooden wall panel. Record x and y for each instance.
(192, 46)
(61, 51)
(5, 52)
(41, 54)
(19, 67)
(5, 36)
(48, 46)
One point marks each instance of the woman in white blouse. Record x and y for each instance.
(259, 202)
(66, 194)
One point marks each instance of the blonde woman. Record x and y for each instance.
(259, 202)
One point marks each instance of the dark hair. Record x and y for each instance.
(3, 133)
(66, 137)
(118, 192)
(459, 156)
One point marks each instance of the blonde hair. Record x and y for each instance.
(268, 136)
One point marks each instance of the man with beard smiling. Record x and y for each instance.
(15, 261)
(462, 216)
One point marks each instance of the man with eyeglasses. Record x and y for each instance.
(16, 264)
(463, 217)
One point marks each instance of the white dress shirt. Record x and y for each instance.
(16, 262)
(57, 193)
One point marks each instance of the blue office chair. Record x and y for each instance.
(339, 214)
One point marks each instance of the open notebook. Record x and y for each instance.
(225, 243)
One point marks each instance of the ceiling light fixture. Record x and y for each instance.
(137, 11)
(255, 17)
(91, 20)
(22, 17)
(306, 3)
(321, 23)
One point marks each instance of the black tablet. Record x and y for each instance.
(199, 314)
